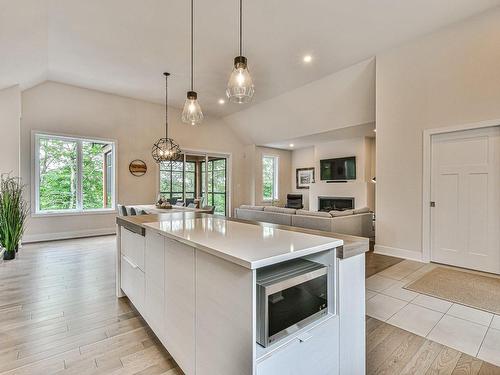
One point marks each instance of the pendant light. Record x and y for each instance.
(192, 114)
(166, 149)
(240, 87)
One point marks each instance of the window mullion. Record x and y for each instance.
(79, 179)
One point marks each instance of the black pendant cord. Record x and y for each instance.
(192, 44)
(166, 104)
(241, 27)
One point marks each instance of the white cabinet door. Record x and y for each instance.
(180, 303)
(154, 305)
(314, 353)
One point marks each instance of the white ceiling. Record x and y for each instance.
(365, 130)
(123, 46)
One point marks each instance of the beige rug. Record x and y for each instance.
(465, 288)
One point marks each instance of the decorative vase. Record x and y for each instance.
(9, 255)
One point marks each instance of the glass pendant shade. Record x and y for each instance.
(192, 114)
(240, 87)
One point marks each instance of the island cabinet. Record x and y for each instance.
(195, 282)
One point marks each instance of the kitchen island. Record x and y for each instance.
(194, 278)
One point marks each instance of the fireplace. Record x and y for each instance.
(335, 203)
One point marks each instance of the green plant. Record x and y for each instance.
(13, 212)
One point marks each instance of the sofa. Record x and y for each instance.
(358, 222)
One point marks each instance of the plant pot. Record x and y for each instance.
(9, 255)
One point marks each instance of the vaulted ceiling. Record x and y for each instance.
(123, 46)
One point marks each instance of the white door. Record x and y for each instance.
(465, 186)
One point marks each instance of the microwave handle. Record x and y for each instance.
(306, 336)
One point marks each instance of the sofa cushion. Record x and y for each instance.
(341, 213)
(361, 210)
(313, 222)
(280, 210)
(313, 213)
(250, 207)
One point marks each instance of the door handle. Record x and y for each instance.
(134, 266)
(433, 204)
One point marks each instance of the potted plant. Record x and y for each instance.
(13, 213)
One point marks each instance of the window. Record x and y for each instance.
(216, 192)
(177, 182)
(73, 174)
(270, 178)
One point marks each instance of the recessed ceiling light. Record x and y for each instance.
(307, 58)
(375, 130)
(291, 145)
(222, 101)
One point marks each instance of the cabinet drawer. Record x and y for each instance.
(133, 282)
(315, 352)
(132, 246)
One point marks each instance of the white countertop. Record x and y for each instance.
(248, 245)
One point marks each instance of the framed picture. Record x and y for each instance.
(305, 177)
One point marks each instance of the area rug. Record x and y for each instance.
(466, 288)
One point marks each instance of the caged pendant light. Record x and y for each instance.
(240, 87)
(166, 149)
(192, 114)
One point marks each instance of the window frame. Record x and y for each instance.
(276, 159)
(212, 192)
(184, 172)
(35, 175)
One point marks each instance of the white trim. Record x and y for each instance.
(399, 253)
(426, 176)
(35, 172)
(68, 235)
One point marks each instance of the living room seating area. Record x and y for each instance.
(357, 222)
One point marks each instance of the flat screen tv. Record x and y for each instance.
(339, 169)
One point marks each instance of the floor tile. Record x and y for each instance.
(379, 283)
(383, 307)
(432, 303)
(495, 323)
(397, 291)
(459, 334)
(490, 350)
(468, 313)
(416, 319)
(369, 294)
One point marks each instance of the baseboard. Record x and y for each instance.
(398, 253)
(68, 235)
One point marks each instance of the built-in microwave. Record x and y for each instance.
(290, 295)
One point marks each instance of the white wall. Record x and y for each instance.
(302, 158)
(345, 98)
(136, 125)
(10, 124)
(446, 78)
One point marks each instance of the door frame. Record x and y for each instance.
(229, 169)
(427, 170)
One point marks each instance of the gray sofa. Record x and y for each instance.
(352, 222)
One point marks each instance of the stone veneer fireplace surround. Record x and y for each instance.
(335, 203)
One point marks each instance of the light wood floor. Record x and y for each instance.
(59, 315)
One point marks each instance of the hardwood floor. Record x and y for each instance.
(391, 350)
(376, 263)
(59, 315)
